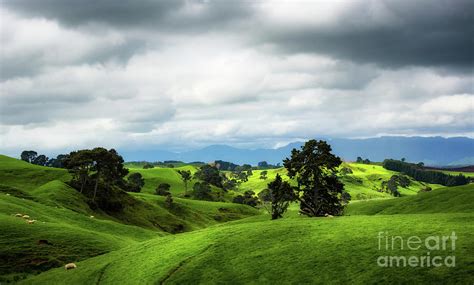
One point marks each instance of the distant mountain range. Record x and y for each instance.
(434, 151)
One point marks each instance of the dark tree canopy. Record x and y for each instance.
(418, 172)
(57, 162)
(280, 193)
(163, 189)
(315, 169)
(209, 174)
(202, 191)
(28, 155)
(247, 199)
(98, 165)
(262, 164)
(40, 160)
(135, 182)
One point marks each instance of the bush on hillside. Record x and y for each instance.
(163, 189)
(135, 182)
(248, 198)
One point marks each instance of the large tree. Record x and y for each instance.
(315, 169)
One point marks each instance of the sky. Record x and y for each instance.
(179, 75)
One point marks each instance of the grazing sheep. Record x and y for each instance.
(19, 215)
(31, 222)
(328, 216)
(91, 217)
(25, 217)
(70, 266)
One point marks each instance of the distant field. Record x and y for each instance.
(362, 184)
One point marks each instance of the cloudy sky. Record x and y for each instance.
(184, 74)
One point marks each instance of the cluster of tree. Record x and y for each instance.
(417, 172)
(242, 173)
(209, 174)
(99, 174)
(318, 189)
(225, 165)
(263, 175)
(361, 160)
(32, 157)
(248, 198)
(266, 165)
(391, 185)
(148, 166)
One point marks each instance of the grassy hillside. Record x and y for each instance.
(249, 248)
(444, 200)
(287, 251)
(26, 176)
(154, 176)
(73, 230)
(362, 184)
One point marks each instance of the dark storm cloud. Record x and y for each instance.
(423, 33)
(159, 15)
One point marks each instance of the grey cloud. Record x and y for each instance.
(157, 15)
(425, 33)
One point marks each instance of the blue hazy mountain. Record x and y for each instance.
(434, 151)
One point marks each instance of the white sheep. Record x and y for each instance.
(328, 216)
(70, 266)
(19, 215)
(26, 217)
(31, 222)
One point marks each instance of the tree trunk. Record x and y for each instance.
(96, 184)
(82, 184)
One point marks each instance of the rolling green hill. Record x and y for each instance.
(220, 242)
(292, 250)
(157, 175)
(73, 230)
(444, 200)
